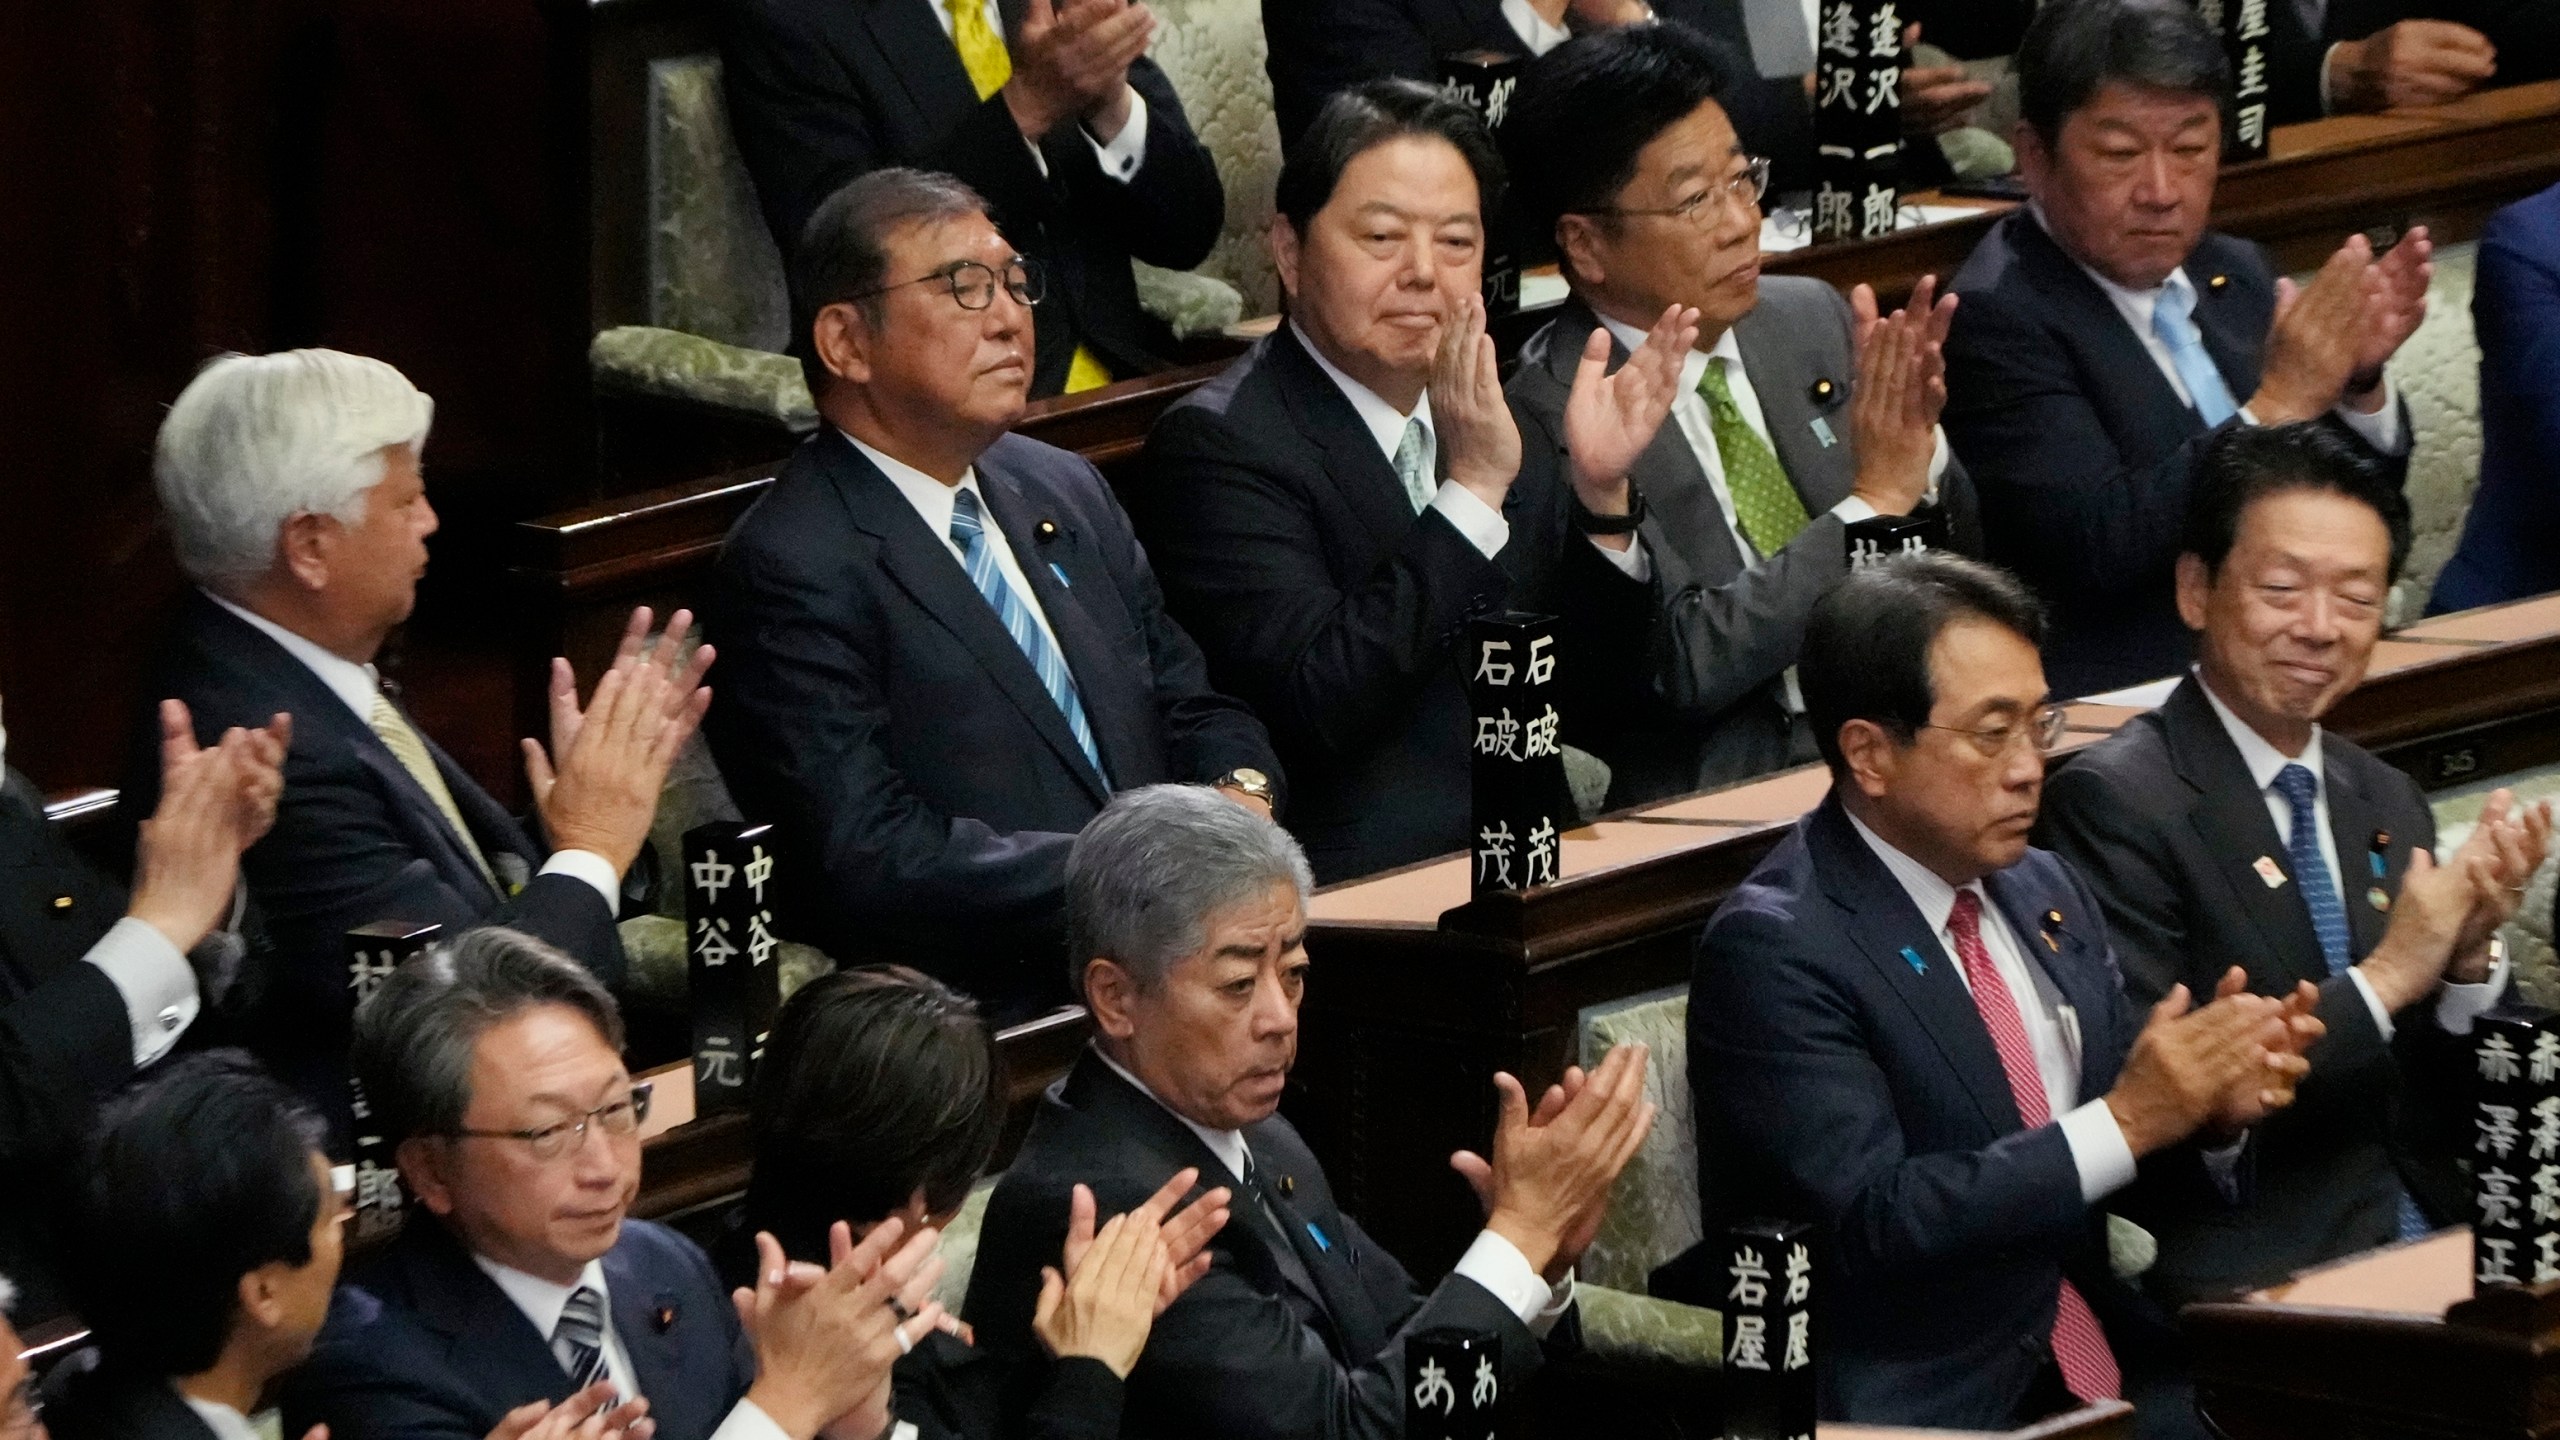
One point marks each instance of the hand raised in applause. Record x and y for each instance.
(1188, 1229)
(214, 804)
(1552, 1168)
(2395, 305)
(591, 1414)
(613, 755)
(1116, 1282)
(2254, 1096)
(1072, 62)
(826, 1339)
(1478, 438)
(2434, 915)
(1901, 390)
(2413, 62)
(2515, 840)
(2317, 337)
(2185, 1065)
(1610, 419)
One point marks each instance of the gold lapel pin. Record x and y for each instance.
(2218, 282)
(1288, 1186)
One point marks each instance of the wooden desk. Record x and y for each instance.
(2388, 1343)
(1417, 996)
(2106, 1420)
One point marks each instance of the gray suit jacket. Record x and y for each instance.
(1728, 626)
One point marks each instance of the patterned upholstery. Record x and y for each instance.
(676, 365)
(713, 268)
(1212, 51)
(1654, 1214)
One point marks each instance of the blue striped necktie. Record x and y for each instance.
(2173, 319)
(969, 532)
(577, 1342)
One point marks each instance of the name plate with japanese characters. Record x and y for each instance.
(732, 957)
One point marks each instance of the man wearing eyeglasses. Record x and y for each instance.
(2228, 828)
(946, 650)
(1906, 1028)
(525, 1285)
(1796, 414)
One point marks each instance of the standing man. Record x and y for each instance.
(947, 648)
(1796, 414)
(1330, 511)
(1049, 108)
(2105, 333)
(1907, 1028)
(2228, 829)
(2506, 551)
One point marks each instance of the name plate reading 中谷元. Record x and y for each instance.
(732, 959)
(1521, 803)
(373, 952)
(1857, 119)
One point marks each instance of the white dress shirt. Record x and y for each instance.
(359, 685)
(225, 1422)
(2098, 1149)
(542, 1301)
(2381, 430)
(1532, 27)
(1127, 150)
(933, 502)
(1483, 525)
(2456, 1005)
(1491, 1261)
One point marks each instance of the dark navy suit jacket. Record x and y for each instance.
(422, 1345)
(2511, 539)
(1837, 1082)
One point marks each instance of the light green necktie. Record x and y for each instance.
(1413, 468)
(1765, 504)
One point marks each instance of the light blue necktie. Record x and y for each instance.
(2328, 914)
(2173, 319)
(969, 532)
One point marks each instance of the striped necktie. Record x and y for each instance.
(577, 1342)
(410, 750)
(2173, 319)
(969, 532)
(1766, 508)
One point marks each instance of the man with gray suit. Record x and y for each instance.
(1797, 414)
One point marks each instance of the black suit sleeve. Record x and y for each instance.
(1170, 212)
(1318, 47)
(62, 1045)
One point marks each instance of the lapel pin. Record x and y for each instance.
(1288, 1186)
(1912, 958)
(1822, 392)
(2218, 282)
(1822, 431)
(61, 902)
(1061, 572)
(1045, 531)
(2381, 853)
(2052, 929)
(2379, 899)
(665, 1318)
(2270, 872)
(1322, 1243)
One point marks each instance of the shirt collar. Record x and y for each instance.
(1227, 1145)
(2135, 305)
(1929, 891)
(542, 1300)
(1693, 366)
(930, 497)
(225, 1422)
(358, 685)
(2263, 759)
(1386, 423)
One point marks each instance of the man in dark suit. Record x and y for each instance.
(946, 647)
(1050, 111)
(209, 1237)
(1330, 511)
(1796, 414)
(2292, 545)
(2506, 551)
(2105, 333)
(495, 1061)
(296, 504)
(87, 998)
(1906, 1027)
(1189, 918)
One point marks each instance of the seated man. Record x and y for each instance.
(296, 504)
(1620, 147)
(2226, 828)
(494, 1062)
(946, 648)
(1051, 110)
(86, 998)
(1190, 918)
(1329, 512)
(1878, 1043)
(209, 1240)
(2105, 333)
(2506, 551)
(880, 1094)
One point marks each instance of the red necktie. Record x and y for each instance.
(2079, 1346)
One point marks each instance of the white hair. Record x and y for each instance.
(8, 1295)
(255, 440)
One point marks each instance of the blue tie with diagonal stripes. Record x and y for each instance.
(969, 532)
(578, 1340)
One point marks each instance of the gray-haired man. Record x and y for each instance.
(1188, 918)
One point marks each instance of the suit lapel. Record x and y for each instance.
(1113, 702)
(431, 828)
(2060, 948)
(1365, 477)
(1687, 526)
(1884, 924)
(924, 59)
(1786, 407)
(1357, 1330)
(2223, 321)
(486, 1335)
(657, 1364)
(2230, 816)
(2111, 350)
(2354, 820)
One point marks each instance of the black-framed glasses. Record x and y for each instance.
(973, 284)
(2044, 730)
(566, 1137)
(1744, 192)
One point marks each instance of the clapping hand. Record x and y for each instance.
(825, 1340)
(1548, 1180)
(1478, 438)
(2502, 853)
(613, 755)
(1186, 1235)
(1901, 390)
(1610, 419)
(2317, 337)
(1071, 61)
(214, 804)
(2395, 305)
(591, 1414)
(1115, 1283)
(2256, 1095)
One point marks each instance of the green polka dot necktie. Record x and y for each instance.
(1765, 504)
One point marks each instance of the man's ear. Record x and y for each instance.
(1110, 994)
(421, 1160)
(2195, 587)
(305, 544)
(1284, 254)
(842, 339)
(2035, 162)
(1578, 241)
(259, 1294)
(1871, 754)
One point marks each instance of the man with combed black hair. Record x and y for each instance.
(1797, 414)
(2227, 828)
(1907, 1028)
(2106, 333)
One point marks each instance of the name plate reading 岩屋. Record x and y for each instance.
(2515, 1146)
(1857, 119)
(373, 952)
(732, 960)
(1768, 1331)
(1484, 81)
(1521, 803)
(1879, 538)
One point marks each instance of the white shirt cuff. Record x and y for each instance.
(1532, 28)
(1128, 149)
(2098, 1150)
(158, 986)
(746, 1420)
(1483, 525)
(2372, 1002)
(1632, 562)
(2381, 429)
(593, 868)
(1498, 1266)
(1851, 509)
(2458, 1005)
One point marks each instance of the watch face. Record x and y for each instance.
(1250, 778)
